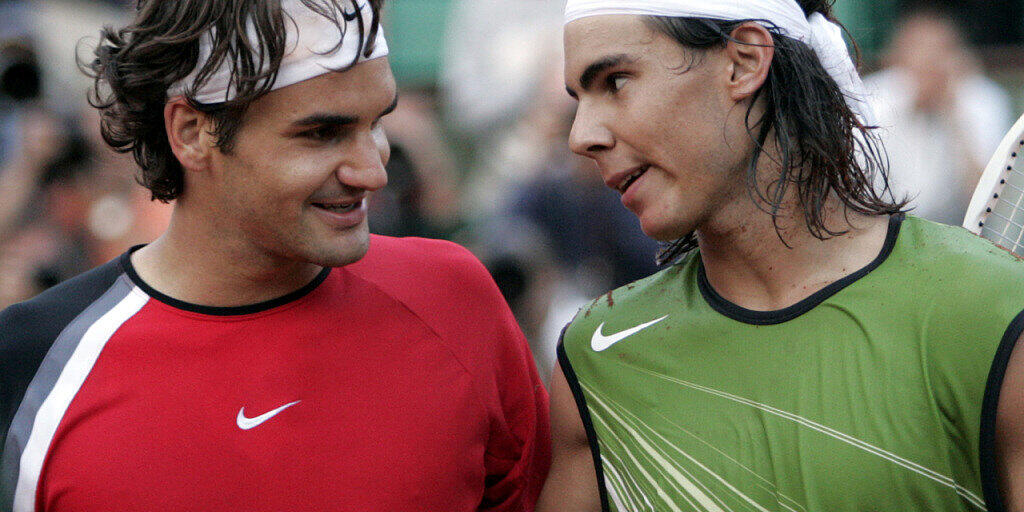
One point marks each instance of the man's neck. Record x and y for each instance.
(208, 267)
(748, 264)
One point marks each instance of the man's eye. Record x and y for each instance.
(616, 82)
(322, 133)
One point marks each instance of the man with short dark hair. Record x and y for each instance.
(265, 353)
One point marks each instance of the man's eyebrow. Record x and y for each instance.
(322, 119)
(595, 68)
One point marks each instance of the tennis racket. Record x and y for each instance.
(996, 211)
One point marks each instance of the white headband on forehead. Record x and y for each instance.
(823, 36)
(308, 53)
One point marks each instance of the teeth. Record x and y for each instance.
(631, 178)
(338, 207)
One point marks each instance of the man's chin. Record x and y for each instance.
(663, 233)
(346, 253)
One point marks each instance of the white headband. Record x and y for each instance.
(825, 37)
(308, 54)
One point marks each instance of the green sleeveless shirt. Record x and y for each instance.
(877, 393)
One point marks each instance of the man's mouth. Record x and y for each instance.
(631, 178)
(338, 206)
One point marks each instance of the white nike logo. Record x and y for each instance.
(247, 423)
(600, 342)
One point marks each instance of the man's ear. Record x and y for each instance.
(750, 51)
(188, 132)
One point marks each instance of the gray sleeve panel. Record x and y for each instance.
(36, 339)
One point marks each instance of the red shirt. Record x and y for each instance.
(399, 383)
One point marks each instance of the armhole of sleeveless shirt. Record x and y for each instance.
(987, 438)
(581, 406)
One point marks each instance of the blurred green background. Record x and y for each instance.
(417, 29)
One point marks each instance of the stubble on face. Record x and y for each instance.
(313, 142)
(671, 113)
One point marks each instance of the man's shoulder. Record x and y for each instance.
(636, 302)
(428, 262)
(29, 329)
(387, 250)
(957, 274)
(938, 248)
(47, 313)
(449, 290)
(434, 278)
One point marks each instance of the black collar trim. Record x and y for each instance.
(126, 264)
(749, 316)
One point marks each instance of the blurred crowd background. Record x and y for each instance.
(479, 140)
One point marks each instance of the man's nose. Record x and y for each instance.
(364, 167)
(589, 135)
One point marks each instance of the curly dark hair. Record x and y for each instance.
(134, 66)
(824, 148)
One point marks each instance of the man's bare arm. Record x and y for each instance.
(1010, 432)
(572, 481)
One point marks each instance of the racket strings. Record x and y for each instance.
(1009, 243)
(1016, 207)
(1007, 223)
(1014, 187)
(1003, 221)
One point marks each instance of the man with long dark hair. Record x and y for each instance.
(812, 347)
(265, 353)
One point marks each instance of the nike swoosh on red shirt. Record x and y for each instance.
(248, 423)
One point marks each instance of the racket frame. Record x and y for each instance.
(994, 179)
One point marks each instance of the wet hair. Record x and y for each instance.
(823, 147)
(134, 66)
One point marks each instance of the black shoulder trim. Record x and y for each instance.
(28, 330)
(126, 264)
(581, 404)
(749, 316)
(987, 439)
